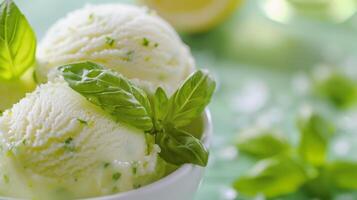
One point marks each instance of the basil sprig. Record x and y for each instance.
(155, 114)
(283, 168)
(17, 42)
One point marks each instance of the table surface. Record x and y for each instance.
(263, 69)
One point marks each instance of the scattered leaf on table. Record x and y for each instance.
(273, 177)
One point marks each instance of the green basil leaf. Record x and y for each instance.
(111, 91)
(339, 89)
(315, 133)
(272, 177)
(262, 143)
(319, 187)
(17, 42)
(343, 174)
(179, 147)
(189, 101)
(160, 102)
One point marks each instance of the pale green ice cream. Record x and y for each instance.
(55, 144)
(131, 40)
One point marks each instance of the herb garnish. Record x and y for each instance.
(68, 144)
(82, 121)
(17, 42)
(145, 42)
(68, 140)
(106, 165)
(129, 56)
(116, 176)
(156, 114)
(110, 41)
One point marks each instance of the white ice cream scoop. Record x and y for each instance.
(55, 143)
(130, 40)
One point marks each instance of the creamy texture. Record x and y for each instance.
(130, 40)
(56, 144)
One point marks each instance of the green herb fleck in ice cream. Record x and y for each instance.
(109, 41)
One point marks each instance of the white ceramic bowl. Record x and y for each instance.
(182, 184)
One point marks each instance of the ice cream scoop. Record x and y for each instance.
(131, 40)
(55, 144)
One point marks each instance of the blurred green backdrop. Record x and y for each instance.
(263, 69)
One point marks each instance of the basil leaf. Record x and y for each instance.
(111, 91)
(319, 187)
(262, 143)
(272, 177)
(17, 42)
(179, 147)
(315, 133)
(339, 89)
(189, 101)
(343, 174)
(160, 102)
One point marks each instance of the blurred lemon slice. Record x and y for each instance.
(193, 15)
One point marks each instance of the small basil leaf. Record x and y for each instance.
(319, 187)
(339, 89)
(189, 101)
(272, 177)
(262, 143)
(343, 174)
(17, 42)
(315, 133)
(160, 102)
(179, 147)
(111, 91)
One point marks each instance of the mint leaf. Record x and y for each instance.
(179, 147)
(272, 177)
(262, 143)
(17, 42)
(189, 101)
(315, 133)
(339, 89)
(111, 91)
(343, 174)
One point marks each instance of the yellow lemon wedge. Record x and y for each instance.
(193, 16)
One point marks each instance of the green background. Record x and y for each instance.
(263, 70)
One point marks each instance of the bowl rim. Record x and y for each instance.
(174, 176)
